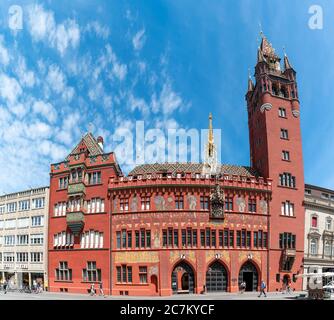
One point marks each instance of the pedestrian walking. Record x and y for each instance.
(92, 290)
(101, 289)
(5, 286)
(242, 287)
(263, 288)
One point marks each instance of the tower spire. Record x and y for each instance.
(287, 64)
(210, 165)
(250, 82)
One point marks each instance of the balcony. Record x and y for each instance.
(287, 259)
(76, 188)
(75, 221)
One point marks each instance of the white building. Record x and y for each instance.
(23, 237)
(319, 230)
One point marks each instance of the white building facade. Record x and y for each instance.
(319, 230)
(23, 237)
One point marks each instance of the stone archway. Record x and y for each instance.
(183, 278)
(216, 278)
(248, 273)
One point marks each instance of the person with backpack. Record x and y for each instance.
(262, 289)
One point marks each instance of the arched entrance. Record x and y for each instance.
(183, 278)
(248, 274)
(216, 278)
(154, 281)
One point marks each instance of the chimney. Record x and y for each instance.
(100, 142)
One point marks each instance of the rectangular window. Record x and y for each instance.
(248, 239)
(124, 204)
(255, 242)
(208, 240)
(36, 256)
(63, 273)
(145, 203)
(143, 274)
(231, 238)
(118, 239)
(287, 180)
(202, 238)
(170, 237)
(38, 203)
(260, 238)
(37, 238)
(194, 238)
(164, 238)
(265, 240)
(204, 203)
(287, 208)
(243, 238)
(37, 221)
(142, 238)
(119, 274)
(284, 134)
(282, 112)
(129, 271)
(148, 238)
(24, 205)
(238, 238)
(137, 238)
(184, 237)
(91, 273)
(229, 204)
(213, 238)
(225, 238)
(314, 222)
(123, 239)
(251, 205)
(220, 237)
(179, 202)
(189, 237)
(285, 155)
(94, 177)
(176, 238)
(129, 239)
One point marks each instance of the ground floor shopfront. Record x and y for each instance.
(20, 279)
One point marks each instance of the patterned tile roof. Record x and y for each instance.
(190, 168)
(90, 142)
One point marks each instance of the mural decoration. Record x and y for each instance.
(156, 241)
(154, 270)
(192, 200)
(264, 206)
(115, 205)
(159, 202)
(241, 203)
(134, 204)
(136, 257)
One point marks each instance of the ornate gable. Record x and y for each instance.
(89, 144)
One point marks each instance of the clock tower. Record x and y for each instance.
(276, 152)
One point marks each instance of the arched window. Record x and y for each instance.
(314, 246)
(327, 249)
(275, 89)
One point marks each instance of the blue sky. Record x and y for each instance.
(169, 63)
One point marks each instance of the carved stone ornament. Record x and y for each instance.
(217, 199)
(265, 106)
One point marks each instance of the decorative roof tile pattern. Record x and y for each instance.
(190, 168)
(91, 143)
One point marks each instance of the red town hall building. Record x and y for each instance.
(187, 227)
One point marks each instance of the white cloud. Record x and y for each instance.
(101, 31)
(43, 27)
(4, 55)
(139, 39)
(10, 89)
(56, 79)
(26, 77)
(46, 110)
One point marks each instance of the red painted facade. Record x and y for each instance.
(159, 233)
